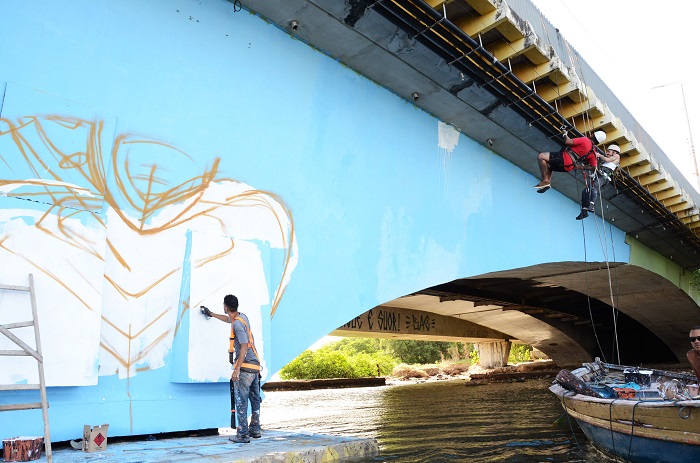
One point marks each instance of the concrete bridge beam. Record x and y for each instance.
(402, 323)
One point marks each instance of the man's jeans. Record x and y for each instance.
(247, 388)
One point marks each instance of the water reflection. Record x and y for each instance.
(438, 422)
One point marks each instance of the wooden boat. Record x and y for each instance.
(638, 415)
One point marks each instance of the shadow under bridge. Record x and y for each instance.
(571, 311)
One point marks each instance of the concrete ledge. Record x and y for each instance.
(273, 447)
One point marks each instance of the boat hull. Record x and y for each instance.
(636, 430)
(638, 449)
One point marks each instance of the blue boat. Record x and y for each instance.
(637, 415)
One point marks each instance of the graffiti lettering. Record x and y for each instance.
(420, 323)
(388, 321)
(355, 323)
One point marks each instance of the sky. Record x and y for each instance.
(634, 46)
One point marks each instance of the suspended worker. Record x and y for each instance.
(581, 149)
(601, 176)
(245, 378)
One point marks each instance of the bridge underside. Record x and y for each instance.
(565, 310)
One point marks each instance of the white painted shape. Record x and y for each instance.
(141, 297)
(448, 137)
(141, 316)
(68, 283)
(240, 272)
(9, 187)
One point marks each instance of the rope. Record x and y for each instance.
(568, 418)
(588, 296)
(612, 434)
(629, 449)
(604, 246)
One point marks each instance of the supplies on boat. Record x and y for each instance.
(609, 381)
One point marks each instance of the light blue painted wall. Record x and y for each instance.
(379, 211)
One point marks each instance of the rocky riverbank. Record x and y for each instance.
(471, 374)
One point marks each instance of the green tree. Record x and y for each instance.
(356, 345)
(363, 357)
(380, 363)
(413, 352)
(317, 365)
(519, 353)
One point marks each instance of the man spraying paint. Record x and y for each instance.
(574, 150)
(245, 378)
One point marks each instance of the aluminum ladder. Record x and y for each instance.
(26, 350)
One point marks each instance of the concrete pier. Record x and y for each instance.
(274, 446)
(493, 354)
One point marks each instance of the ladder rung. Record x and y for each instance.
(15, 288)
(11, 407)
(13, 352)
(20, 387)
(10, 326)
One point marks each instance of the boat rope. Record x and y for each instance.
(610, 420)
(568, 418)
(629, 448)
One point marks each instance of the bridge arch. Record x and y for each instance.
(563, 309)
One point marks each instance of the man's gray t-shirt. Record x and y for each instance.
(241, 337)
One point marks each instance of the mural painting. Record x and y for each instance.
(124, 234)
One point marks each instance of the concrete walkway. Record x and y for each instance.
(274, 446)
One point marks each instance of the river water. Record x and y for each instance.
(438, 422)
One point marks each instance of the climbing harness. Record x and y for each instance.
(249, 366)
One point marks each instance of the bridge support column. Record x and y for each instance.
(493, 354)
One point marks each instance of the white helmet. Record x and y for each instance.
(614, 148)
(599, 136)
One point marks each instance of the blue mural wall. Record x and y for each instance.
(156, 156)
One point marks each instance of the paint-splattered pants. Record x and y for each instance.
(247, 388)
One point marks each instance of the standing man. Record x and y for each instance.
(245, 378)
(582, 148)
(604, 174)
(694, 354)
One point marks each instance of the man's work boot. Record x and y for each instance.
(255, 434)
(582, 215)
(239, 439)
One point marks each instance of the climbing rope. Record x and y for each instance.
(602, 237)
(588, 296)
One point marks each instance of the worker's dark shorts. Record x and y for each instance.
(560, 161)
